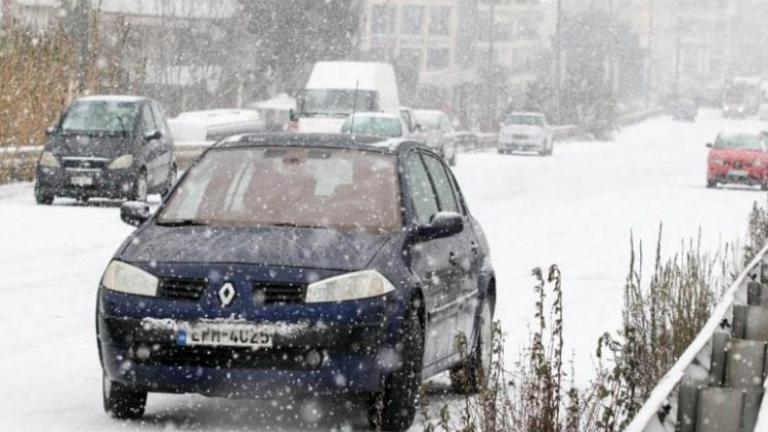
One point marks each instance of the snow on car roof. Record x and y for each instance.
(342, 141)
(111, 98)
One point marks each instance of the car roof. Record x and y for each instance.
(378, 115)
(335, 141)
(112, 98)
(736, 132)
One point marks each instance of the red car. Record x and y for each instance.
(738, 157)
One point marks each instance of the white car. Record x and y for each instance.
(387, 125)
(526, 132)
(435, 129)
(207, 127)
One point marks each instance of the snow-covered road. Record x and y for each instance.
(575, 209)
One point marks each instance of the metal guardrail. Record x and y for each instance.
(660, 412)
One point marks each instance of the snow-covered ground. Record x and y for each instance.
(575, 209)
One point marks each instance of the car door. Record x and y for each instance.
(431, 262)
(152, 148)
(166, 140)
(462, 252)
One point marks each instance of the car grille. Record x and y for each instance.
(278, 293)
(182, 289)
(84, 163)
(737, 164)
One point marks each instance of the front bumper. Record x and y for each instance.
(522, 145)
(354, 353)
(751, 176)
(92, 183)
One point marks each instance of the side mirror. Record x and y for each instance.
(134, 213)
(442, 224)
(293, 115)
(50, 130)
(154, 135)
(709, 145)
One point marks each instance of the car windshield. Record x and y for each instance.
(344, 190)
(368, 125)
(105, 117)
(740, 141)
(527, 120)
(338, 102)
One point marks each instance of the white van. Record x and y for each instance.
(335, 88)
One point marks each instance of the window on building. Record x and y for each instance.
(440, 21)
(439, 58)
(413, 16)
(382, 19)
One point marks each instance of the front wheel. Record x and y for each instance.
(43, 198)
(472, 374)
(711, 184)
(393, 408)
(122, 402)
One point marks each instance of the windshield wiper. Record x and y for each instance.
(182, 222)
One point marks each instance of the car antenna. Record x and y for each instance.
(354, 108)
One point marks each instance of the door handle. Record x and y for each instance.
(453, 259)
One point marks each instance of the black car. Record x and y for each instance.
(685, 109)
(283, 265)
(109, 147)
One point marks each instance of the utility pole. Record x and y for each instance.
(558, 61)
(491, 99)
(649, 74)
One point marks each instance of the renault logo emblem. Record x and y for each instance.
(226, 294)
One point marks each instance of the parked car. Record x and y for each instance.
(212, 125)
(526, 132)
(107, 146)
(292, 264)
(738, 157)
(376, 124)
(685, 109)
(435, 129)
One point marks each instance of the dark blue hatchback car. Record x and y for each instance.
(290, 264)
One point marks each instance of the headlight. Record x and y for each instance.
(360, 285)
(126, 278)
(717, 161)
(49, 160)
(123, 162)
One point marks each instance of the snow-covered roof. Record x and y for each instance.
(281, 102)
(111, 98)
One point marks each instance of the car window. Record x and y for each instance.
(343, 190)
(420, 189)
(457, 193)
(100, 117)
(446, 199)
(445, 123)
(379, 126)
(148, 119)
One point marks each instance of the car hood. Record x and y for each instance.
(108, 147)
(321, 124)
(291, 247)
(522, 130)
(743, 155)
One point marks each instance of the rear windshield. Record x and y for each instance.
(740, 141)
(100, 117)
(343, 190)
(528, 120)
(379, 126)
(341, 103)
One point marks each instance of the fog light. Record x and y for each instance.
(143, 352)
(313, 359)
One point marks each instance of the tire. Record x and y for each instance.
(122, 402)
(170, 182)
(140, 187)
(471, 375)
(711, 184)
(764, 187)
(393, 408)
(42, 198)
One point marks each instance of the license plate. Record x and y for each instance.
(229, 335)
(81, 181)
(738, 173)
